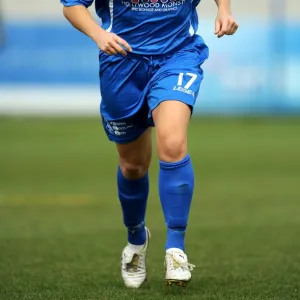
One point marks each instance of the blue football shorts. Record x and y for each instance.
(134, 85)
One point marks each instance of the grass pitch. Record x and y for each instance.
(61, 232)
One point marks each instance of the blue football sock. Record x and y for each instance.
(133, 196)
(176, 186)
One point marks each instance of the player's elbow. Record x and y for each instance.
(66, 11)
(75, 11)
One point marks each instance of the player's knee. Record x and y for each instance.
(171, 147)
(135, 168)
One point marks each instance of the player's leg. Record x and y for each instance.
(176, 176)
(174, 90)
(133, 186)
(176, 183)
(133, 189)
(134, 148)
(124, 114)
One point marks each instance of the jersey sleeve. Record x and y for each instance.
(85, 3)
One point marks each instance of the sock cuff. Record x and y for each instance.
(133, 229)
(176, 229)
(173, 165)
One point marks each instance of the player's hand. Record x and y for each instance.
(225, 24)
(111, 44)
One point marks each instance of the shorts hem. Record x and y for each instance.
(168, 99)
(128, 140)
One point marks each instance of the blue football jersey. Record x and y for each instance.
(150, 26)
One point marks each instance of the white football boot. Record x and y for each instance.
(133, 265)
(178, 270)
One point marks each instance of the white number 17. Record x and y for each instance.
(190, 82)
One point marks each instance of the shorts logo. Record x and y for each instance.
(108, 126)
(186, 88)
(117, 128)
(153, 5)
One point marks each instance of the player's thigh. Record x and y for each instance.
(171, 101)
(172, 96)
(122, 82)
(135, 157)
(171, 119)
(123, 107)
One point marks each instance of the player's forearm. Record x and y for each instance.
(223, 4)
(81, 19)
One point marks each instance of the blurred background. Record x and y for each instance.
(256, 71)
(61, 230)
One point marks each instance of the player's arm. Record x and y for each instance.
(225, 24)
(77, 14)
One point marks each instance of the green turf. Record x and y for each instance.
(61, 231)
